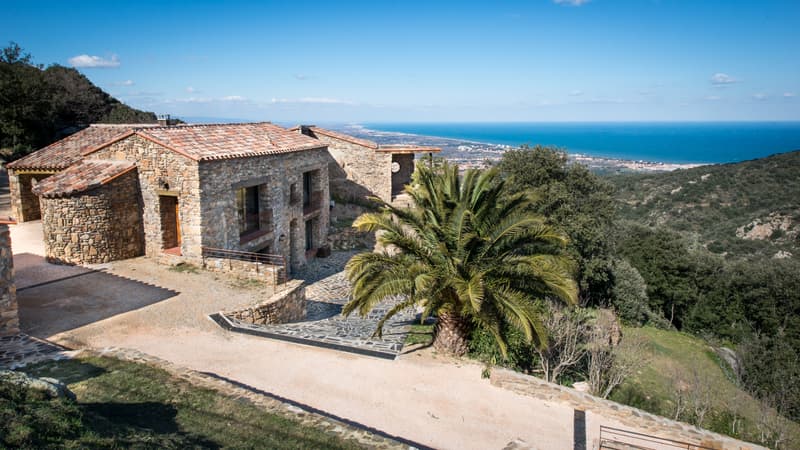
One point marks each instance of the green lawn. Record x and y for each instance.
(128, 405)
(687, 365)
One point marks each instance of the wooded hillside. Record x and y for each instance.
(40, 105)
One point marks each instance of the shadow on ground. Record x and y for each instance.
(78, 297)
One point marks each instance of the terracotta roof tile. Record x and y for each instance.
(398, 148)
(86, 175)
(224, 141)
(336, 135)
(66, 152)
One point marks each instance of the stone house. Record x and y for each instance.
(181, 193)
(362, 167)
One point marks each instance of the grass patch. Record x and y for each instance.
(123, 404)
(685, 370)
(420, 334)
(184, 268)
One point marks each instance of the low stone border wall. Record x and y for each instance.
(287, 305)
(638, 420)
(248, 269)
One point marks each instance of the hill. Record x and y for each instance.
(740, 209)
(40, 105)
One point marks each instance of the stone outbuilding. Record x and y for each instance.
(181, 193)
(9, 320)
(26, 172)
(362, 167)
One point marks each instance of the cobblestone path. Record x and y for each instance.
(20, 349)
(326, 292)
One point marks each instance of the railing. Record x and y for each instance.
(617, 439)
(281, 274)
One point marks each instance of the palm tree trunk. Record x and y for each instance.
(451, 333)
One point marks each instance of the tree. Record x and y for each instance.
(39, 106)
(567, 331)
(612, 358)
(468, 252)
(575, 200)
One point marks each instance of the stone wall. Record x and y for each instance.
(97, 226)
(362, 165)
(276, 174)
(9, 321)
(269, 274)
(608, 413)
(162, 171)
(288, 305)
(24, 203)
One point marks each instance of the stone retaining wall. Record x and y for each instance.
(96, 226)
(9, 320)
(607, 412)
(269, 274)
(288, 305)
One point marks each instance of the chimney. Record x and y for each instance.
(306, 129)
(163, 120)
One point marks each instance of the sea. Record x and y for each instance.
(668, 142)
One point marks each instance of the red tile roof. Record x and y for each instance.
(225, 141)
(66, 152)
(86, 175)
(336, 135)
(398, 148)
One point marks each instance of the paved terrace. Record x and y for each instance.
(327, 291)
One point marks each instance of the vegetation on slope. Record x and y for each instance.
(739, 209)
(40, 105)
(129, 405)
(686, 380)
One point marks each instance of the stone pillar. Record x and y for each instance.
(9, 321)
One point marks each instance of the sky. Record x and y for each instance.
(428, 61)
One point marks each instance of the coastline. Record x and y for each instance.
(468, 153)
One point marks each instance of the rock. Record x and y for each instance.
(50, 386)
(581, 386)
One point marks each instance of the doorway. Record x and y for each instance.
(170, 223)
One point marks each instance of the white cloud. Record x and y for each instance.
(576, 93)
(788, 94)
(713, 98)
(233, 98)
(300, 76)
(571, 2)
(721, 79)
(191, 90)
(123, 83)
(760, 96)
(94, 61)
(317, 100)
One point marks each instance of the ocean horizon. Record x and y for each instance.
(668, 142)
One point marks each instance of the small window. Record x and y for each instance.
(247, 205)
(309, 234)
(306, 188)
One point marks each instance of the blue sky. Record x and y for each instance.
(533, 60)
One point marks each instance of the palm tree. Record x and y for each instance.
(468, 252)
